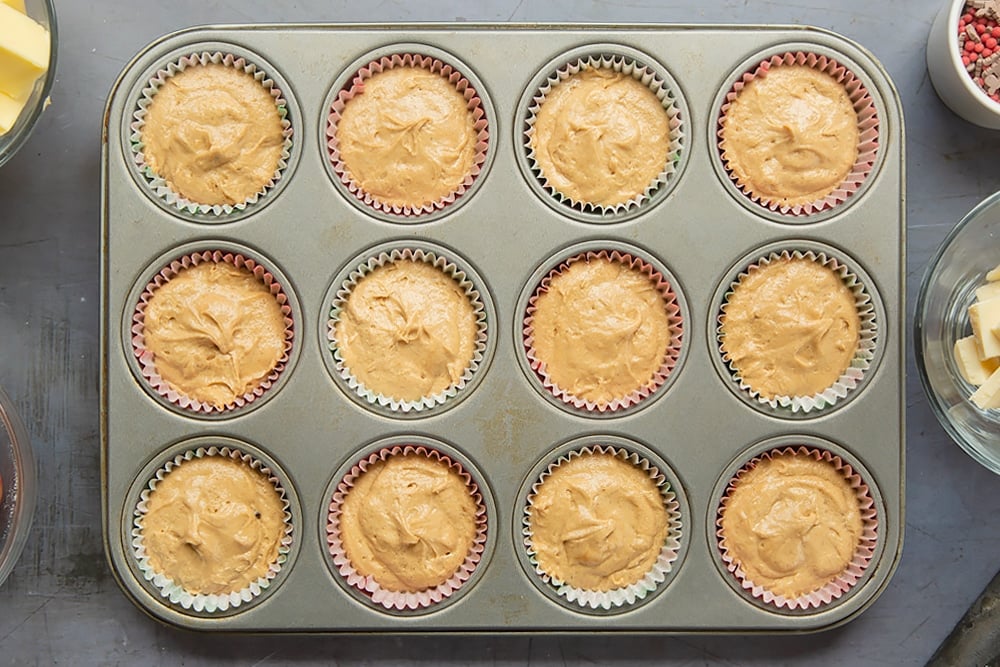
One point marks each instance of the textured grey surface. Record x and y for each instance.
(61, 605)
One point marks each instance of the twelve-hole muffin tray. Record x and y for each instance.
(507, 232)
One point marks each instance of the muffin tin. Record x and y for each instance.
(309, 231)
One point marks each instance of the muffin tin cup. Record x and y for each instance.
(368, 586)
(868, 131)
(621, 599)
(146, 362)
(386, 255)
(868, 335)
(664, 286)
(434, 61)
(622, 60)
(157, 186)
(173, 592)
(863, 555)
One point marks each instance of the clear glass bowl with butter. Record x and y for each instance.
(42, 12)
(17, 475)
(942, 317)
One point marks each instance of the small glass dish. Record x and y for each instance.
(43, 12)
(942, 316)
(17, 499)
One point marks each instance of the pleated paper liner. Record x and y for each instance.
(671, 352)
(449, 268)
(147, 361)
(648, 75)
(868, 129)
(368, 586)
(174, 592)
(356, 86)
(593, 600)
(158, 185)
(864, 354)
(839, 584)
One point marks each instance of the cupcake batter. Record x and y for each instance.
(213, 525)
(792, 523)
(791, 136)
(408, 331)
(214, 134)
(409, 139)
(597, 523)
(601, 330)
(601, 137)
(216, 332)
(409, 522)
(790, 328)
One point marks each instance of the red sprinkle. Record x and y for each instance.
(970, 45)
(995, 32)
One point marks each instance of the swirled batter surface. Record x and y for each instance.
(597, 522)
(791, 135)
(409, 522)
(601, 329)
(790, 328)
(409, 138)
(213, 525)
(793, 523)
(214, 134)
(601, 137)
(215, 332)
(407, 331)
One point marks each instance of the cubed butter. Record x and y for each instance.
(988, 395)
(10, 109)
(985, 317)
(988, 291)
(993, 274)
(973, 369)
(16, 4)
(24, 52)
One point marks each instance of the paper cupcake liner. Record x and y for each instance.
(147, 362)
(156, 183)
(676, 322)
(863, 356)
(868, 126)
(174, 592)
(616, 597)
(406, 600)
(356, 87)
(645, 75)
(448, 268)
(863, 554)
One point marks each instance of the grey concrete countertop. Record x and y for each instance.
(61, 604)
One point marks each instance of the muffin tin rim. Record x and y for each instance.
(293, 113)
(744, 456)
(402, 439)
(153, 269)
(748, 64)
(145, 473)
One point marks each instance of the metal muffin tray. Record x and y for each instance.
(699, 229)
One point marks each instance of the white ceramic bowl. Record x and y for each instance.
(942, 317)
(953, 84)
(44, 12)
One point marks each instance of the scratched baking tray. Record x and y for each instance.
(505, 428)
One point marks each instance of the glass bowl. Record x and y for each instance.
(946, 292)
(17, 473)
(44, 12)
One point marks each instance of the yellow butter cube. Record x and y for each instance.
(988, 395)
(10, 109)
(16, 4)
(988, 291)
(984, 317)
(973, 369)
(993, 274)
(24, 52)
